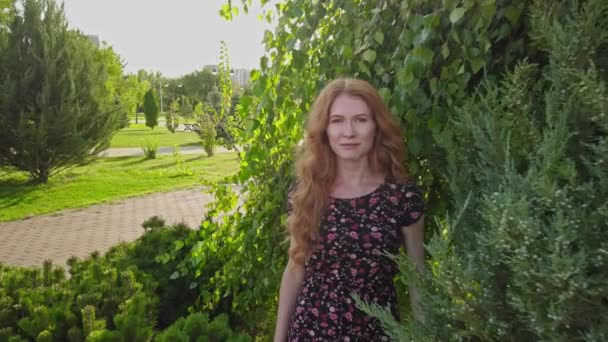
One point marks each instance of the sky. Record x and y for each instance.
(174, 37)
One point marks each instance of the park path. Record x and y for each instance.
(136, 151)
(80, 232)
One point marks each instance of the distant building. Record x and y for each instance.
(239, 77)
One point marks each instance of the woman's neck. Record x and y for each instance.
(356, 173)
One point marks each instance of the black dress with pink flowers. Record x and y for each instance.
(349, 257)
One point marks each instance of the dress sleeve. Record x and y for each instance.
(412, 204)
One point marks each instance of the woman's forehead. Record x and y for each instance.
(349, 105)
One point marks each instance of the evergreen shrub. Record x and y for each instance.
(522, 254)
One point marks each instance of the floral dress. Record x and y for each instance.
(348, 257)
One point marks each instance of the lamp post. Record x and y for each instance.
(160, 90)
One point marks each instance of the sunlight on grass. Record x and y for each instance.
(106, 180)
(136, 134)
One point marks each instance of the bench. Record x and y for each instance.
(190, 127)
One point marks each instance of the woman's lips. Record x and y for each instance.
(349, 146)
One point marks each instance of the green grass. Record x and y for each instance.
(106, 180)
(136, 134)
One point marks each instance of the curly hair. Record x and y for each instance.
(316, 162)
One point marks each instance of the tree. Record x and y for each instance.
(57, 108)
(206, 127)
(171, 117)
(186, 107)
(150, 109)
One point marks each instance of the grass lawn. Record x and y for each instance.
(137, 134)
(105, 180)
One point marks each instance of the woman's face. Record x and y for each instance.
(351, 128)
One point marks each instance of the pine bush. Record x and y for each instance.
(522, 254)
(56, 107)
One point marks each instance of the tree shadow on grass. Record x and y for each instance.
(15, 191)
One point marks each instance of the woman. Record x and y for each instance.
(351, 204)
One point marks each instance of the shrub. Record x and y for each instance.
(150, 148)
(206, 128)
(150, 109)
(119, 296)
(53, 114)
(523, 252)
(196, 327)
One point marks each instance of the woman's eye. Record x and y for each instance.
(361, 119)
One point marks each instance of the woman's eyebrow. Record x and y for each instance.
(341, 115)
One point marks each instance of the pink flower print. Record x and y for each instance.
(353, 272)
(373, 200)
(333, 316)
(331, 332)
(392, 220)
(331, 236)
(299, 309)
(365, 237)
(354, 235)
(324, 324)
(315, 312)
(373, 270)
(348, 316)
(353, 256)
(374, 229)
(361, 211)
(373, 217)
(332, 309)
(348, 301)
(332, 252)
(342, 220)
(353, 203)
(393, 199)
(409, 194)
(333, 295)
(331, 218)
(376, 235)
(361, 271)
(346, 339)
(414, 214)
(332, 207)
(367, 245)
(335, 265)
(354, 226)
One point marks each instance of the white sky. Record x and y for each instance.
(174, 37)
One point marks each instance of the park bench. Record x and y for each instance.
(191, 127)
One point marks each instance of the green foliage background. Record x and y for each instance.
(427, 58)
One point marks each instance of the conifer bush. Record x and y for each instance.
(57, 106)
(523, 252)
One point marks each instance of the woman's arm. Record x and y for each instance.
(290, 285)
(414, 243)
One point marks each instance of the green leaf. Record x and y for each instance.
(512, 13)
(457, 14)
(445, 51)
(424, 54)
(370, 56)
(476, 64)
(179, 244)
(386, 94)
(175, 275)
(379, 37)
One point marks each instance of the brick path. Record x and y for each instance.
(79, 232)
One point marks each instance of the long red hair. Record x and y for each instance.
(316, 163)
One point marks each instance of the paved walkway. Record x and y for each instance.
(79, 232)
(136, 151)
